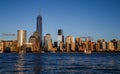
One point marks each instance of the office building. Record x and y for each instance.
(60, 32)
(55, 44)
(118, 45)
(110, 46)
(9, 45)
(97, 46)
(1, 47)
(27, 47)
(80, 41)
(39, 28)
(60, 37)
(114, 41)
(68, 44)
(34, 39)
(104, 46)
(21, 37)
(73, 44)
(48, 42)
(61, 47)
(92, 46)
(78, 44)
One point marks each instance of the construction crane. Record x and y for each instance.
(8, 34)
(3, 35)
(89, 37)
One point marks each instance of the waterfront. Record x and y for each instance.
(59, 63)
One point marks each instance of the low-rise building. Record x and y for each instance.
(118, 45)
(110, 46)
(1, 47)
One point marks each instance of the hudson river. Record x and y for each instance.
(60, 63)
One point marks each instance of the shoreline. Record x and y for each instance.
(68, 52)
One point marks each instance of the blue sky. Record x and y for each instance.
(97, 18)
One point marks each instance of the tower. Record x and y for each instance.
(21, 37)
(39, 28)
(48, 42)
(60, 32)
(60, 37)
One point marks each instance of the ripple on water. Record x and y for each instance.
(59, 63)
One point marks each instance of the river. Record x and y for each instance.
(60, 63)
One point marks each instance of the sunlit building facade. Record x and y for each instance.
(118, 45)
(110, 46)
(73, 44)
(60, 37)
(48, 42)
(9, 45)
(104, 48)
(21, 37)
(68, 42)
(34, 39)
(1, 47)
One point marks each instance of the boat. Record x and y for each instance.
(42, 51)
(86, 51)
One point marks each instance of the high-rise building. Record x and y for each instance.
(118, 45)
(61, 47)
(97, 46)
(21, 37)
(39, 28)
(1, 47)
(48, 42)
(76, 43)
(110, 46)
(72, 43)
(68, 43)
(114, 41)
(34, 39)
(103, 45)
(60, 37)
(60, 32)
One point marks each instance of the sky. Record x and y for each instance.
(99, 19)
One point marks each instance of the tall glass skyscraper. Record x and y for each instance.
(39, 28)
(60, 32)
(60, 37)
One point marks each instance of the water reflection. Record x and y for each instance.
(28, 63)
(36, 67)
(20, 64)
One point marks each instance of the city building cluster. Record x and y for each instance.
(37, 43)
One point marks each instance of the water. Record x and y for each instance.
(59, 63)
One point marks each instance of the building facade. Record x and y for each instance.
(21, 37)
(48, 43)
(60, 37)
(34, 39)
(39, 28)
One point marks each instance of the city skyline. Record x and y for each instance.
(97, 18)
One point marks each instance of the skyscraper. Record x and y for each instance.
(60, 37)
(34, 39)
(21, 37)
(48, 42)
(60, 32)
(39, 28)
